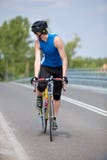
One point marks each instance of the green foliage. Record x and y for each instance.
(18, 55)
(81, 62)
(13, 44)
(70, 49)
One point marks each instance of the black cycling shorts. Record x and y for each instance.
(46, 72)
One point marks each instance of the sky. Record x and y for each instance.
(86, 18)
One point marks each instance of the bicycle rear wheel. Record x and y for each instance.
(44, 120)
(51, 110)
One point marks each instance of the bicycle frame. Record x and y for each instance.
(47, 111)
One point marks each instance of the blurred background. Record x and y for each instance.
(82, 25)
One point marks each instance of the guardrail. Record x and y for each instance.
(85, 77)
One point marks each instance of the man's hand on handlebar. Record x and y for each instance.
(65, 82)
(34, 80)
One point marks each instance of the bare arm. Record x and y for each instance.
(37, 59)
(59, 45)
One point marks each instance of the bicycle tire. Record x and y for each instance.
(44, 121)
(50, 118)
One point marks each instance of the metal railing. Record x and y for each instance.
(88, 77)
(84, 77)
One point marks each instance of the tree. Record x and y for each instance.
(70, 49)
(13, 42)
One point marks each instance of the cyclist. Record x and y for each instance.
(54, 63)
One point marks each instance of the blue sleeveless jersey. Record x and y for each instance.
(51, 54)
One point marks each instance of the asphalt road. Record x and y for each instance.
(82, 121)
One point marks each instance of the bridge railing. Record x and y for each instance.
(88, 77)
(84, 77)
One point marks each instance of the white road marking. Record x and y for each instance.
(76, 102)
(86, 106)
(17, 147)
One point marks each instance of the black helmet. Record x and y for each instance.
(39, 26)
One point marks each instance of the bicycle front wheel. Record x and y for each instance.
(51, 111)
(44, 121)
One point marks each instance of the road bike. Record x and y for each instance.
(47, 111)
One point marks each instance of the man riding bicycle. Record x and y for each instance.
(54, 63)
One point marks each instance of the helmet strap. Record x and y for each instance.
(43, 32)
(40, 35)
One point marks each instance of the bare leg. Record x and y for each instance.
(56, 107)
